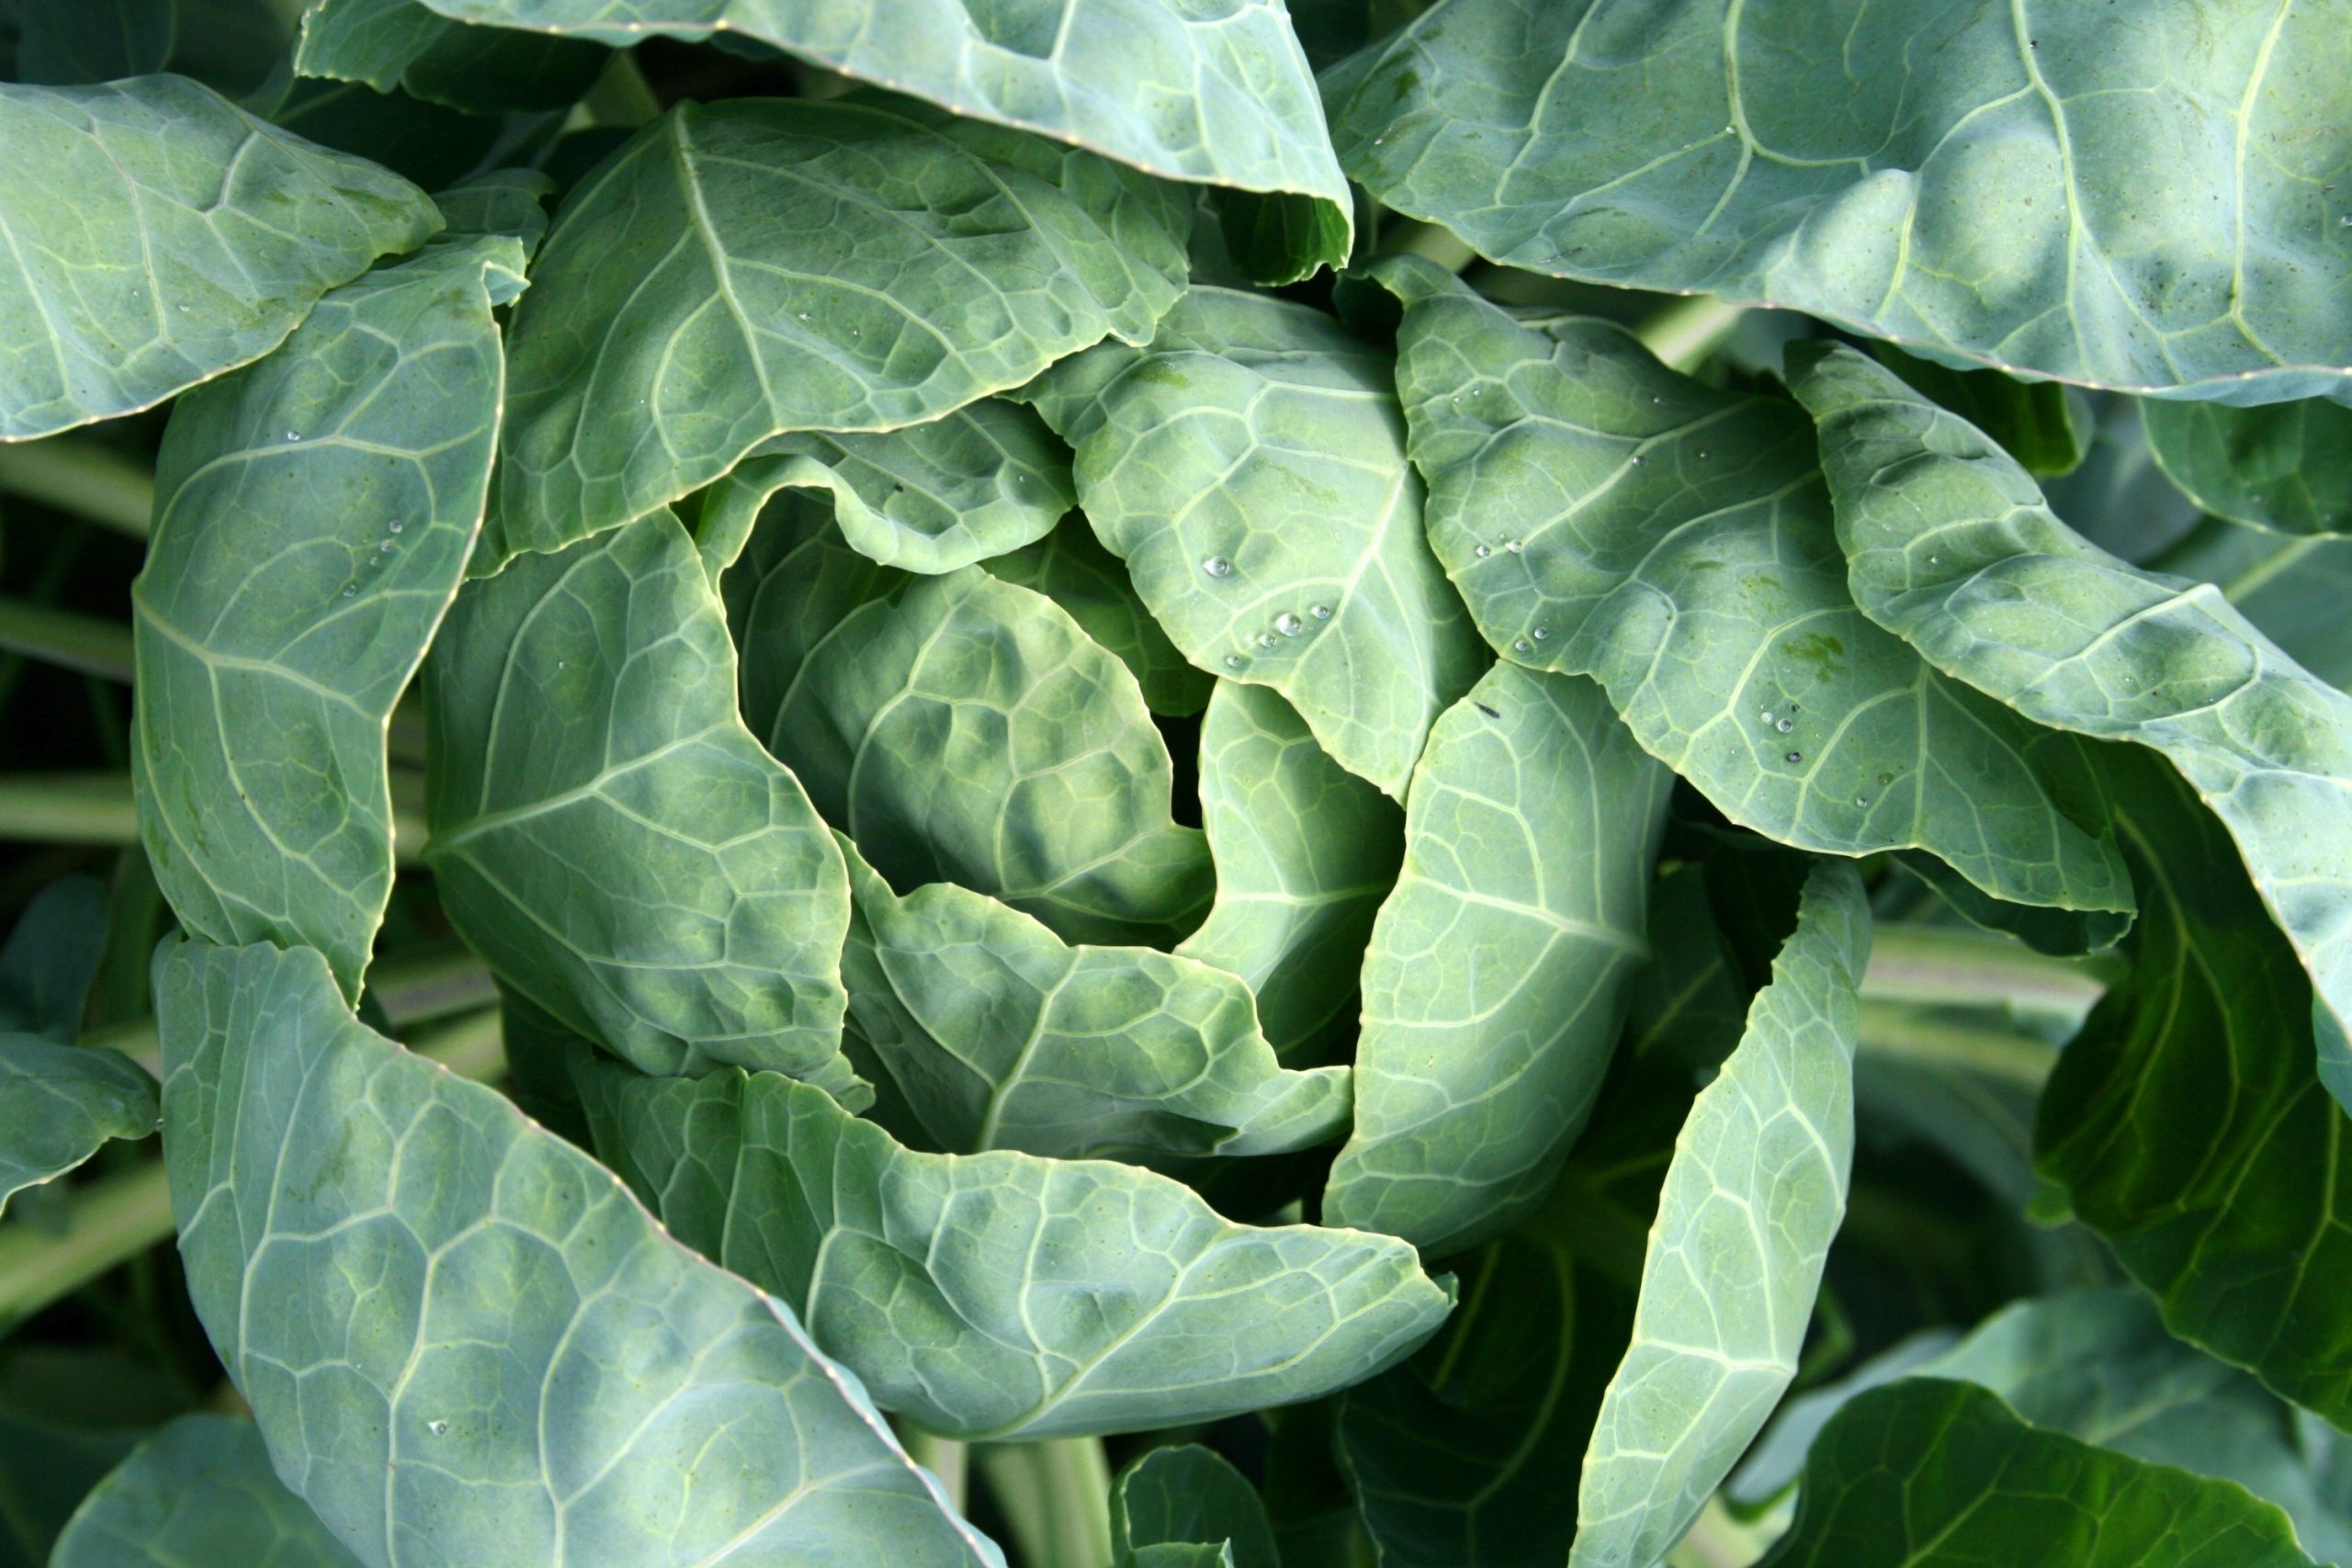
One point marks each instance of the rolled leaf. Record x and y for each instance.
(1305, 853)
(1250, 467)
(1751, 1201)
(1494, 984)
(964, 729)
(200, 1493)
(1003, 1037)
(1184, 1504)
(2124, 198)
(1231, 100)
(998, 1295)
(1605, 516)
(1976, 1485)
(608, 835)
(313, 514)
(1952, 549)
(161, 235)
(462, 1338)
(1070, 567)
(763, 266)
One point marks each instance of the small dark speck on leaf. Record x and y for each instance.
(1487, 711)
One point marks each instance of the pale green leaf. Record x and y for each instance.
(465, 1343)
(964, 729)
(1003, 1037)
(156, 235)
(1219, 94)
(1952, 549)
(1605, 516)
(988, 479)
(1070, 567)
(2286, 467)
(761, 266)
(2144, 196)
(2294, 589)
(60, 1103)
(400, 46)
(1250, 467)
(609, 836)
(1000, 1295)
(1305, 851)
(1931, 1474)
(1752, 1200)
(1495, 982)
(313, 514)
(1184, 1495)
(200, 1493)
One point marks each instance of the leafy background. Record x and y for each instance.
(1507, 781)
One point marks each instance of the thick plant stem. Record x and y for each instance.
(946, 1457)
(117, 1217)
(83, 478)
(91, 644)
(1056, 1497)
(1685, 333)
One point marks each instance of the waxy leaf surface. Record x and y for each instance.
(1000, 1295)
(2287, 467)
(465, 1342)
(1248, 466)
(313, 515)
(156, 235)
(1000, 1036)
(200, 1493)
(1952, 549)
(1070, 567)
(609, 836)
(1605, 516)
(2146, 197)
(759, 267)
(1305, 851)
(60, 1103)
(400, 46)
(1493, 988)
(1184, 1504)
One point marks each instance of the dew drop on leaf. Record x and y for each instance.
(1484, 552)
(1784, 725)
(1216, 566)
(1519, 645)
(1234, 661)
(1267, 639)
(1796, 756)
(1540, 633)
(1289, 625)
(1514, 546)
(1321, 612)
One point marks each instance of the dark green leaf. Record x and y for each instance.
(2288, 467)
(2133, 197)
(160, 235)
(398, 45)
(466, 1341)
(200, 1493)
(59, 1103)
(1185, 1496)
(314, 514)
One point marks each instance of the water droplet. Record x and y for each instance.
(293, 435)
(1216, 566)
(1658, 400)
(388, 547)
(1767, 715)
(1321, 612)
(1514, 546)
(1267, 639)
(1518, 646)
(804, 315)
(1886, 778)
(1796, 756)
(1540, 633)
(1934, 559)
(1289, 625)
(396, 525)
(437, 1427)
(1484, 552)
(1640, 461)
(1784, 727)
(1859, 801)
(1702, 454)
(349, 588)
(183, 309)
(1234, 661)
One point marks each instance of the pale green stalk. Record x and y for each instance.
(1056, 1497)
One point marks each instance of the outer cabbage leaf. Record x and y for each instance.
(608, 835)
(1003, 1037)
(962, 729)
(60, 1103)
(2286, 467)
(2187, 1123)
(1951, 548)
(2294, 589)
(156, 235)
(1306, 853)
(1606, 516)
(1184, 1504)
(1752, 1200)
(400, 46)
(1494, 986)
(314, 514)
(763, 266)
(1938, 1474)
(2130, 197)
(465, 1342)
(1070, 567)
(1000, 1295)
(1250, 467)
(1220, 95)
(501, 201)
(200, 1493)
